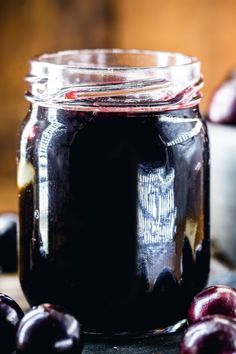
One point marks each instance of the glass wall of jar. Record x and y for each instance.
(113, 188)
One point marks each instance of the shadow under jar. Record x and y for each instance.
(114, 188)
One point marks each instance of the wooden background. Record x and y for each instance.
(204, 28)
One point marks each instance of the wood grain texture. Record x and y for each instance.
(28, 28)
(203, 28)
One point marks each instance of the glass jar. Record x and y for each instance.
(113, 188)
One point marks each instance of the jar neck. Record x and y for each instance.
(113, 80)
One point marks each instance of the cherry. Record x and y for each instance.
(217, 299)
(10, 316)
(8, 249)
(49, 329)
(212, 335)
(222, 107)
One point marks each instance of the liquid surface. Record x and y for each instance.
(114, 215)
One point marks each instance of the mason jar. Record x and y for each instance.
(113, 185)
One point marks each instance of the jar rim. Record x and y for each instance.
(117, 79)
(176, 59)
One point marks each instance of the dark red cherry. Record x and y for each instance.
(219, 299)
(222, 107)
(49, 329)
(10, 316)
(214, 334)
(8, 248)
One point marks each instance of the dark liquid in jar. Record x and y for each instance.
(114, 215)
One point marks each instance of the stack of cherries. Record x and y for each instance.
(45, 329)
(212, 319)
(51, 329)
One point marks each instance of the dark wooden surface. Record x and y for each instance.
(162, 345)
(167, 344)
